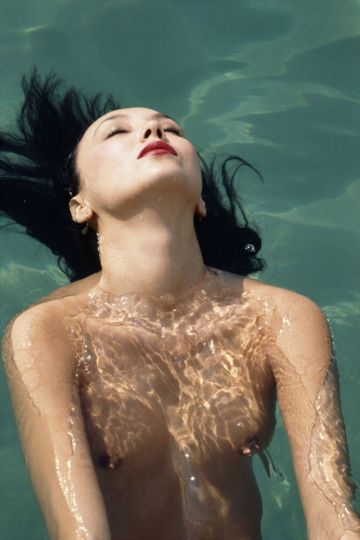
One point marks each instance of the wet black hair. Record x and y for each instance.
(38, 177)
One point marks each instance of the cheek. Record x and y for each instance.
(100, 171)
(193, 157)
(108, 179)
(194, 166)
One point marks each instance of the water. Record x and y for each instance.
(276, 82)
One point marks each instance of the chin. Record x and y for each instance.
(172, 172)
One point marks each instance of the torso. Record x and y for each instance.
(174, 404)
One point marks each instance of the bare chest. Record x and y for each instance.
(151, 391)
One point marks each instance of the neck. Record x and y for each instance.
(149, 256)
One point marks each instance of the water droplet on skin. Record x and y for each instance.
(212, 346)
(198, 384)
(98, 238)
(249, 248)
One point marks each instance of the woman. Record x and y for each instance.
(142, 389)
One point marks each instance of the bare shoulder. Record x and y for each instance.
(303, 332)
(38, 356)
(48, 313)
(267, 289)
(76, 289)
(291, 307)
(36, 332)
(41, 328)
(288, 303)
(43, 319)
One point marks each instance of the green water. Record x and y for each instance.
(274, 81)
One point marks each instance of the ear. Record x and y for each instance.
(80, 210)
(201, 208)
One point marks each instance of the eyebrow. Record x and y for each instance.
(122, 115)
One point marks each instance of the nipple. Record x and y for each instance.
(250, 446)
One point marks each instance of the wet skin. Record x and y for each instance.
(169, 400)
(175, 403)
(172, 403)
(139, 413)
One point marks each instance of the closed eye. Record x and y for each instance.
(175, 130)
(115, 131)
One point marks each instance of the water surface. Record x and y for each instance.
(276, 82)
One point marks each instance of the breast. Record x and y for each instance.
(201, 389)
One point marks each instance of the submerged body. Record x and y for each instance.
(141, 392)
(171, 397)
(171, 393)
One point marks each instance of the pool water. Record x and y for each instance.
(275, 82)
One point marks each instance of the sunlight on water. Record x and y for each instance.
(277, 83)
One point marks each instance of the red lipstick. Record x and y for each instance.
(157, 147)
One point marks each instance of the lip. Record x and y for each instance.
(158, 147)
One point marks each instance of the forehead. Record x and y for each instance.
(131, 113)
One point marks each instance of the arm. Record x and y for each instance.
(307, 389)
(40, 375)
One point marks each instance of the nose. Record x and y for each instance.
(152, 129)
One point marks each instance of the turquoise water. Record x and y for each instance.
(276, 82)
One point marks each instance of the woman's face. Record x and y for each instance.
(115, 178)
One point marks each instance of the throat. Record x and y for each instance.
(150, 265)
(158, 309)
